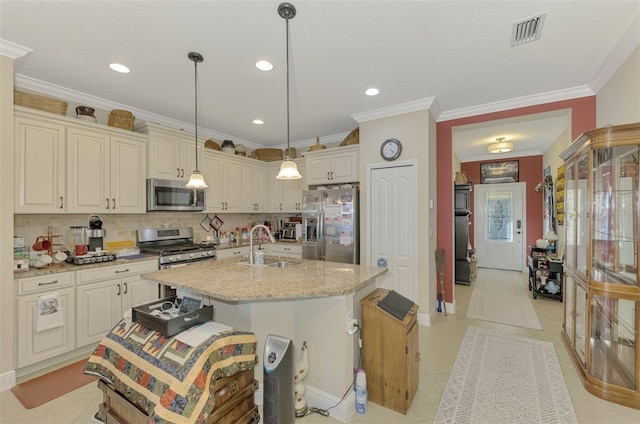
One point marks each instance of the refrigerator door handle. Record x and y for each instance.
(320, 236)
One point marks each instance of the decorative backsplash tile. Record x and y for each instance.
(123, 227)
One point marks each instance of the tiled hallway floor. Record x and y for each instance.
(439, 344)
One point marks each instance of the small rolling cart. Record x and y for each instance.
(545, 274)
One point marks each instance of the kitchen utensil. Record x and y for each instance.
(440, 262)
(42, 243)
(81, 249)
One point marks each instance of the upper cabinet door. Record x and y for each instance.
(128, 175)
(164, 156)
(39, 166)
(88, 171)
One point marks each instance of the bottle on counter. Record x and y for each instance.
(245, 233)
(258, 257)
(237, 233)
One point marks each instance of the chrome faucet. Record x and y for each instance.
(273, 240)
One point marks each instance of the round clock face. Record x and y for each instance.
(391, 149)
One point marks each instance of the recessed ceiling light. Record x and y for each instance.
(372, 92)
(119, 68)
(258, 121)
(264, 65)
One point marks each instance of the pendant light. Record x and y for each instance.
(501, 146)
(288, 169)
(196, 180)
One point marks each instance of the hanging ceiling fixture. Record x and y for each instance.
(196, 180)
(288, 169)
(501, 146)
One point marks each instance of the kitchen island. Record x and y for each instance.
(307, 301)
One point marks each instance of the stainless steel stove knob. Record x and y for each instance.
(191, 255)
(211, 252)
(172, 258)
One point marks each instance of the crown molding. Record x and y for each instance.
(13, 50)
(629, 41)
(385, 112)
(64, 93)
(533, 100)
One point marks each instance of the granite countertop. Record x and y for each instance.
(66, 267)
(228, 280)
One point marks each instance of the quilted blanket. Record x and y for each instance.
(169, 380)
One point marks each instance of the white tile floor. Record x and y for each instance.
(439, 344)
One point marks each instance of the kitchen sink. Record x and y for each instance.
(280, 264)
(271, 263)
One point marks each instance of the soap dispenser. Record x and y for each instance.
(258, 257)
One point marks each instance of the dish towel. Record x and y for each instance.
(50, 313)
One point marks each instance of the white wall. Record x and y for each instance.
(416, 131)
(618, 101)
(6, 221)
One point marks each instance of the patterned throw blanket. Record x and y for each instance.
(169, 380)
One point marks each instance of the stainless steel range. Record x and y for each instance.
(174, 246)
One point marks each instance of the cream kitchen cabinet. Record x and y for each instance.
(105, 171)
(223, 176)
(171, 153)
(33, 345)
(332, 166)
(290, 250)
(104, 294)
(286, 195)
(254, 187)
(39, 164)
(235, 252)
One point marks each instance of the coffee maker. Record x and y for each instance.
(95, 233)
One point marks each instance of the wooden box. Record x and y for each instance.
(390, 354)
(234, 403)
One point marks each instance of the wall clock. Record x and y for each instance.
(391, 149)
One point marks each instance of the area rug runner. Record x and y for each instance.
(49, 386)
(505, 300)
(505, 379)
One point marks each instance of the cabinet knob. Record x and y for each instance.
(178, 174)
(107, 203)
(61, 202)
(113, 200)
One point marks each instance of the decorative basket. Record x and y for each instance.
(317, 146)
(461, 178)
(211, 144)
(39, 102)
(121, 119)
(352, 138)
(241, 150)
(291, 152)
(268, 155)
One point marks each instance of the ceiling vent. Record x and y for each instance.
(527, 30)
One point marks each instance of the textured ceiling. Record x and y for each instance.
(456, 52)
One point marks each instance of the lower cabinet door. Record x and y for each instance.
(35, 346)
(99, 309)
(137, 291)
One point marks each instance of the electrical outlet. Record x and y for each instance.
(349, 321)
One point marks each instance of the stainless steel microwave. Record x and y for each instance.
(170, 195)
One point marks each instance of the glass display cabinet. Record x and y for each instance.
(602, 288)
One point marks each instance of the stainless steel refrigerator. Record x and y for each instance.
(330, 225)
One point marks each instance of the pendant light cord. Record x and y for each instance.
(288, 155)
(196, 91)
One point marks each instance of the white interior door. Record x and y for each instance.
(392, 211)
(499, 225)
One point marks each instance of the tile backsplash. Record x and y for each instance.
(123, 227)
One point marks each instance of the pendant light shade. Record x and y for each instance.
(501, 146)
(196, 180)
(288, 169)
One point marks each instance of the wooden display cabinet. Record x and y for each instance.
(602, 288)
(390, 354)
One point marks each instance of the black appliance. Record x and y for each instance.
(462, 210)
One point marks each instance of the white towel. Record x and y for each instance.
(50, 313)
(197, 335)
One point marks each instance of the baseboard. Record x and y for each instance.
(341, 410)
(7, 380)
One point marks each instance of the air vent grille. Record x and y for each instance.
(527, 30)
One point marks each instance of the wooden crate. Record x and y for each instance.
(234, 403)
